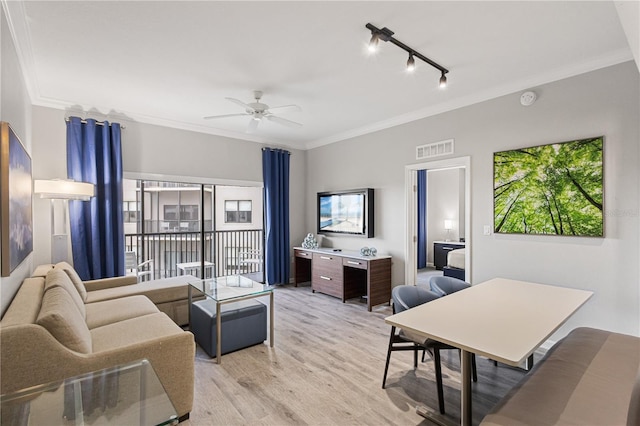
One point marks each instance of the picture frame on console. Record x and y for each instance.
(16, 220)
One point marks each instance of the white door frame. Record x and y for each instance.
(410, 183)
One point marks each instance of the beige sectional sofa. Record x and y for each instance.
(170, 295)
(58, 326)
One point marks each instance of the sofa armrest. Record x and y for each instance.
(103, 283)
(31, 356)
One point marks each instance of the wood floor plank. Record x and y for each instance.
(326, 369)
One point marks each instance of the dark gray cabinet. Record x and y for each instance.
(440, 251)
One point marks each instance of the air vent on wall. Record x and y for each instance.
(435, 149)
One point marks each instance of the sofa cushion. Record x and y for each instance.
(159, 291)
(59, 278)
(60, 316)
(75, 279)
(111, 311)
(133, 331)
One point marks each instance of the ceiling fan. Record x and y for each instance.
(257, 111)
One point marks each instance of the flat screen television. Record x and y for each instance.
(346, 212)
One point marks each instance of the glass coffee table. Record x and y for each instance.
(230, 289)
(129, 394)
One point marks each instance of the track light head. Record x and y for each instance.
(443, 81)
(411, 63)
(373, 43)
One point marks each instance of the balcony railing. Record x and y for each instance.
(226, 250)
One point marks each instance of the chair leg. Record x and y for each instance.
(436, 361)
(415, 356)
(386, 366)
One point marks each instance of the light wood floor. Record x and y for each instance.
(326, 369)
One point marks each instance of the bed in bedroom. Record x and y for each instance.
(455, 264)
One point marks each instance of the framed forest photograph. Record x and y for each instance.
(554, 189)
(16, 225)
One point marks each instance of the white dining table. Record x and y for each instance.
(503, 319)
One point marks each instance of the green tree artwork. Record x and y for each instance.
(550, 189)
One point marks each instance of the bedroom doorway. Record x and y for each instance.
(446, 216)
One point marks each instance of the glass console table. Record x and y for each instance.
(129, 394)
(230, 289)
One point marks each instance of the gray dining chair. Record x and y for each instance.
(442, 285)
(407, 297)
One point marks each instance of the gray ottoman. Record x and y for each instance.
(244, 324)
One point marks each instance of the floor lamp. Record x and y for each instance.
(63, 190)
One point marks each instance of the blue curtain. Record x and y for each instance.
(422, 218)
(94, 154)
(275, 172)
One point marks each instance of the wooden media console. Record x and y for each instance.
(345, 274)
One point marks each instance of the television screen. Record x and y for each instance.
(550, 189)
(345, 212)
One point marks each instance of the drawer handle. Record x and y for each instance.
(302, 254)
(447, 248)
(325, 278)
(351, 262)
(325, 257)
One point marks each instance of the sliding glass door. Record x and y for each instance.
(196, 229)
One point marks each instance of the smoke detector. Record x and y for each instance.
(528, 98)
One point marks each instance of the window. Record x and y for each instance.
(237, 211)
(183, 212)
(130, 211)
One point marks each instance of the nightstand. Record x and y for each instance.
(440, 251)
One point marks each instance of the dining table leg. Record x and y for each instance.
(465, 389)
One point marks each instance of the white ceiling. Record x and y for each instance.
(173, 62)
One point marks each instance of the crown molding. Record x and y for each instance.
(613, 58)
(19, 30)
(131, 117)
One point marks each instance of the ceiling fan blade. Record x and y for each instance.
(282, 107)
(225, 116)
(242, 104)
(283, 121)
(253, 125)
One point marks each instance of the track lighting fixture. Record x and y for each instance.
(411, 63)
(385, 34)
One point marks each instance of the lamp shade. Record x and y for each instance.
(448, 224)
(59, 189)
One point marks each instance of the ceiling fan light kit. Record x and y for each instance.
(385, 34)
(257, 111)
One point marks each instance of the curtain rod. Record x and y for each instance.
(98, 123)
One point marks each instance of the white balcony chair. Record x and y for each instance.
(140, 270)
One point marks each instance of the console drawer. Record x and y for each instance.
(326, 274)
(303, 253)
(355, 263)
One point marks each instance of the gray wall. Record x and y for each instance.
(15, 108)
(603, 102)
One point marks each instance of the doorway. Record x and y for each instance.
(456, 221)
